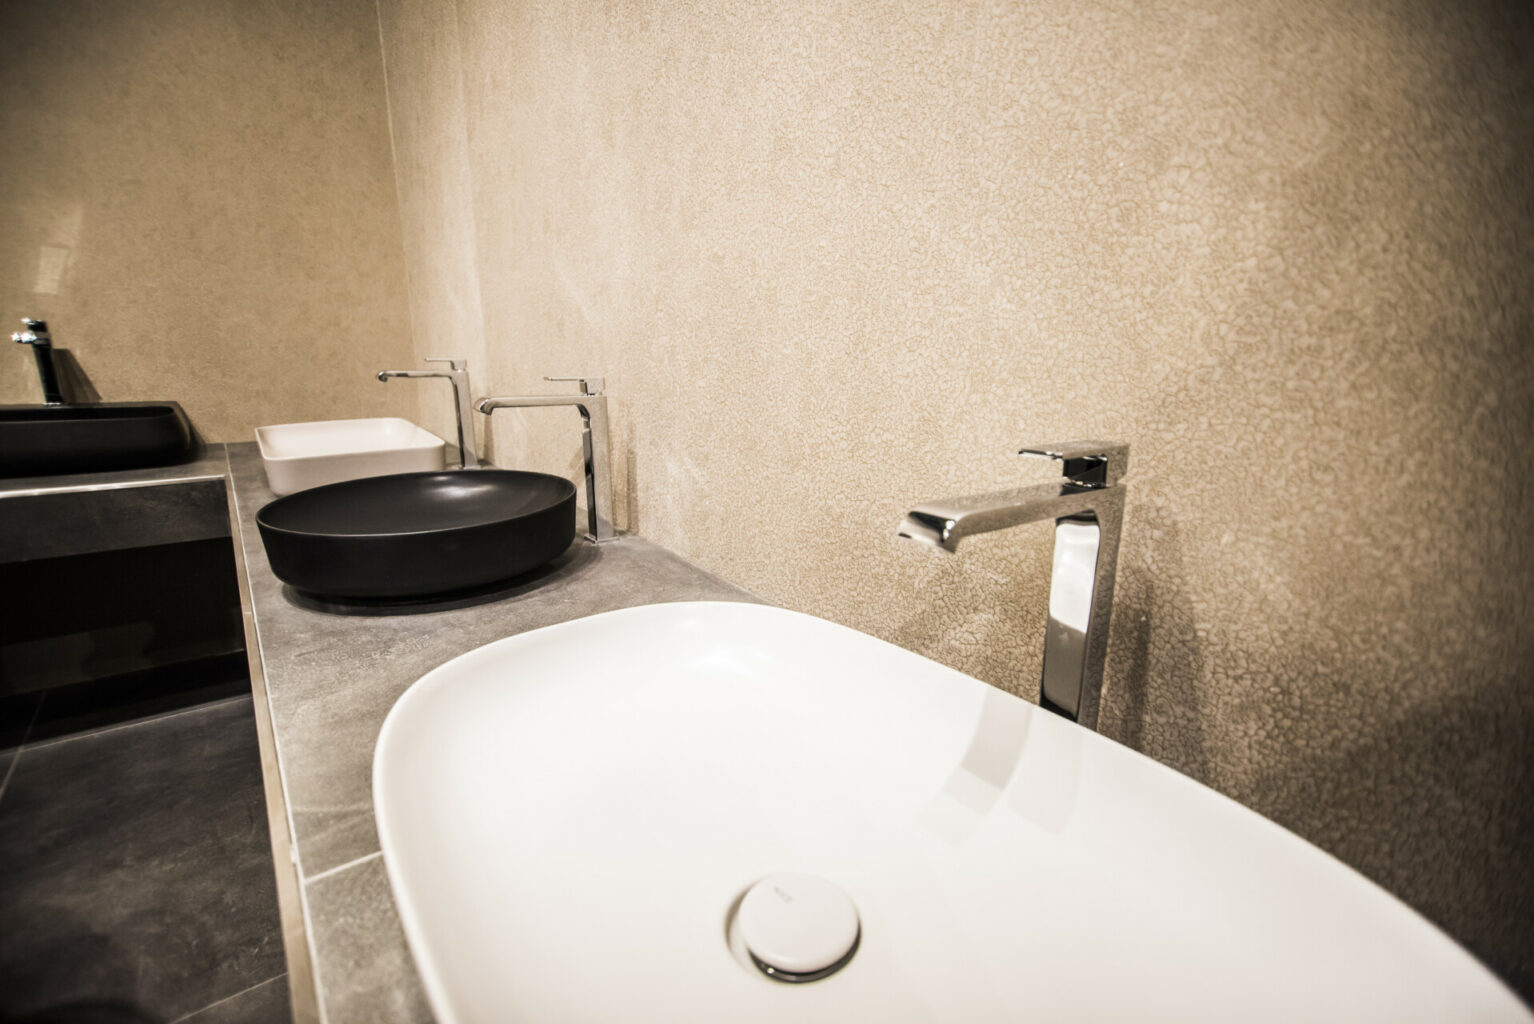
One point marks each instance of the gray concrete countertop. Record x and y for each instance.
(331, 675)
(79, 513)
(208, 463)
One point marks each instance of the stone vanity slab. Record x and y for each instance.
(330, 677)
(85, 513)
(324, 678)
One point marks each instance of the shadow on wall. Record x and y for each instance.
(1155, 638)
(1432, 803)
(1454, 843)
(74, 382)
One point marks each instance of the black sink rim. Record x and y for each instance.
(391, 564)
(263, 519)
(82, 412)
(39, 440)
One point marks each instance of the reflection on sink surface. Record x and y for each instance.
(298, 456)
(571, 817)
(37, 440)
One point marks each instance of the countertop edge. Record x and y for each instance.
(302, 991)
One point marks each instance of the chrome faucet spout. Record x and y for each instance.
(36, 335)
(943, 524)
(458, 373)
(1088, 510)
(595, 445)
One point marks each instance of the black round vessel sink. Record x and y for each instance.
(417, 534)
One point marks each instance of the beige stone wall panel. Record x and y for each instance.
(198, 197)
(838, 258)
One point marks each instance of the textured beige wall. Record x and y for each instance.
(837, 258)
(431, 153)
(199, 199)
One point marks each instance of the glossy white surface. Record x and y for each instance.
(298, 456)
(569, 816)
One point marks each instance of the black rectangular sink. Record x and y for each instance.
(43, 440)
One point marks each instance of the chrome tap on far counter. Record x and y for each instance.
(36, 335)
(458, 372)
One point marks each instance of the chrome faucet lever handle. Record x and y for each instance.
(589, 385)
(1085, 463)
(452, 364)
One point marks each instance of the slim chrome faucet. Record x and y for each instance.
(36, 335)
(592, 405)
(458, 373)
(1088, 509)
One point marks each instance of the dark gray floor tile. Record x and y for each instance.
(135, 868)
(7, 757)
(366, 972)
(267, 1003)
(16, 714)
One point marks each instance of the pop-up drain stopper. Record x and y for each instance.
(798, 928)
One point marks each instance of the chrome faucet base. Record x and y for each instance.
(458, 373)
(1088, 510)
(595, 446)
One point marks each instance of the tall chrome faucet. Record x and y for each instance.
(592, 405)
(1088, 509)
(458, 372)
(36, 335)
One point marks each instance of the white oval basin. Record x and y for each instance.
(569, 816)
